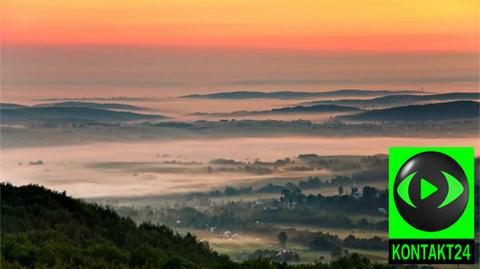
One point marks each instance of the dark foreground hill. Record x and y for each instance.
(429, 112)
(45, 229)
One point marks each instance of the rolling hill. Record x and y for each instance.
(45, 229)
(11, 106)
(318, 109)
(400, 99)
(429, 112)
(294, 94)
(69, 115)
(115, 106)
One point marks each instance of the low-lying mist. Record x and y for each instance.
(158, 168)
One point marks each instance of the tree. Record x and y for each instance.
(340, 190)
(323, 242)
(282, 239)
(369, 193)
(336, 253)
(363, 223)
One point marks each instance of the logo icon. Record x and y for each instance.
(431, 205)
(431, 191)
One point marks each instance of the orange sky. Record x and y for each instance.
(323, 25)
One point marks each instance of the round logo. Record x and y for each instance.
(431, 191)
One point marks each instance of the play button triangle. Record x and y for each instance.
(426, 188)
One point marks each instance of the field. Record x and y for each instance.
(243, 243)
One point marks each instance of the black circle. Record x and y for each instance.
(426, 215)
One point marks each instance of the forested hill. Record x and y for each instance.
(53, 114)
(429, 112)
(45, 229)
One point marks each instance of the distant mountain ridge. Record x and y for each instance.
(11, 106)
(294, 94)
(100, 99)
(117, 106)
(401, 99)
(69, 115)
(287, 110)
(429, 112)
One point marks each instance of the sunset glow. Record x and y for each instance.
(326, 25)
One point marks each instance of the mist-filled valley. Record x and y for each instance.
(296, 177)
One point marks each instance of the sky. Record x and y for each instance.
(89, 46)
